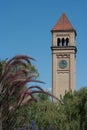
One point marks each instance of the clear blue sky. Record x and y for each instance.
(25, 29)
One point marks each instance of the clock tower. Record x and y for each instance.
(63, 57)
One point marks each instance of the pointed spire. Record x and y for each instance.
(63, 24)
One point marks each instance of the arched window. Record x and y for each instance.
(58, 41)
(63, 41)
(67, 41)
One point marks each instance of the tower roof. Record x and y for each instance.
(63, 24)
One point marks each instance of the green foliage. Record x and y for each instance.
(41, 97)
(71, 114)
(68, 113)
(82, 105)
(14, 76)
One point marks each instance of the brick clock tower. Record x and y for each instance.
(63, 57)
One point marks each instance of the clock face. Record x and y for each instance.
(63, 64)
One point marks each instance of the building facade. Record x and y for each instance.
(63, 57)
